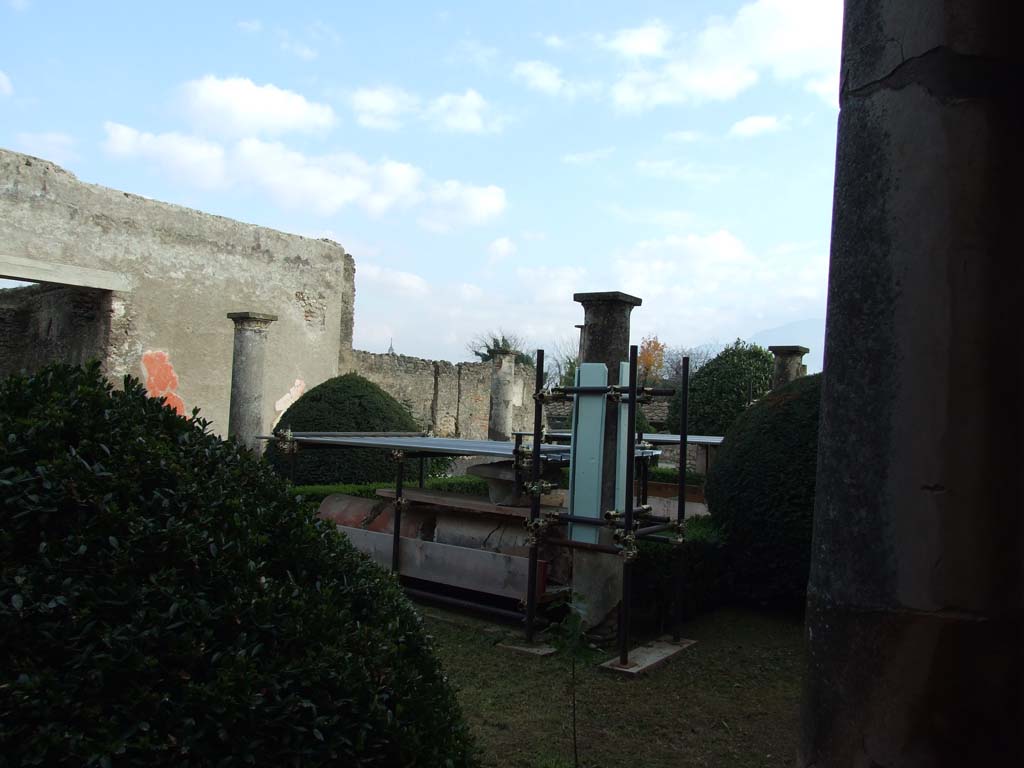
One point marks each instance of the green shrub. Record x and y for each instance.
(760, 492)
(346, 403)
(671, 475)
(704, 587)
(721, 388)
(165, 602)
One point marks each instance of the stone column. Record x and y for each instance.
(245, 420)
(605, 339)
(916, 593)
(503, 384)
(789, 364)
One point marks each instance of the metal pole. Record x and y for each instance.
(627, 565)
(531, 580)
(677, 603)
(399, 503)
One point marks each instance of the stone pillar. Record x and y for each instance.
(789, 364)
(245, 420)
(605, 339)
(916, 593)
(503, 385)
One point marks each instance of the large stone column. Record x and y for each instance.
(503, 385)
(245, 420)
(605, 339)
(789, 364)
(915, 596)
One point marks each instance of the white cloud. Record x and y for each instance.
(469, 291)
(547, 78)
(50, 145)
(790, 39)
(19, 5)
(195, 160)
(382, 107)
(6, 87)
(587, 158)
(472, 52)
(682, 171)
(553, 41)
(328, 183)
(553, 284)
(640, 42)
(826, 88)
(683, 137)
(400, 283)
(499, 250)
(669, 218)
(454, 204)
(755, 125)
(298, 49)
(250, 25)
(466, 112)
(237, 106)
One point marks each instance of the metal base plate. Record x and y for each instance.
(646, 657)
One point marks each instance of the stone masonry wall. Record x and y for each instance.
(186, 270)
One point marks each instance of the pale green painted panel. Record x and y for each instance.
(623, 442)
(587, 452)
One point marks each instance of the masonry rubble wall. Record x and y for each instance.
(185, 270)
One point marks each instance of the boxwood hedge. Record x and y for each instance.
(165, 601)
(760, 492)
(346, 403)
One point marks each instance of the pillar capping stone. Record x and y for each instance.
(258, 316)
(609, 296)
(792, 349)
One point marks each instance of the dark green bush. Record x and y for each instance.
(346, 403)
(165, 602)
(760, 492)
(703, 563)
(721, 388)
(671, 475)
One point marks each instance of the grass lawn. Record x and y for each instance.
(730, 700)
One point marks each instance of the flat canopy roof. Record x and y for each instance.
(654, 438)
(444, 446)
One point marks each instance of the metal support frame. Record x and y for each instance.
(627, 560)
(538, 417)
(677, 603)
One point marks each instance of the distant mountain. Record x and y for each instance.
(809, 333)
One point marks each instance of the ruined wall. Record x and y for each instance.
(186, 271)
(447, 399)
(48, 323)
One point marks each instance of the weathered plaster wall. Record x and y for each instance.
(47, 323)
(186, 271)
(448, 399)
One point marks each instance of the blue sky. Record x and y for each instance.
(481, 161)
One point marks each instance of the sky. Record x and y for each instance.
(482, 162)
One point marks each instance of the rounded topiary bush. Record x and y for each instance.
(760, 492)
(346, 403)
(164, 601)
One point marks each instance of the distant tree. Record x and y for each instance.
(489, 345)
(561, 362)
(650, 360)
(722, 388)
(672, 370)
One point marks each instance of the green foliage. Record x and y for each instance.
(467, 484)
(493, 343)
(720, 389)
(704, 576)
(671, 475)
(760, 492)
(166, 602)
(346, 403)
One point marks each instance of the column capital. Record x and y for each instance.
(607, 297)
(253, 320)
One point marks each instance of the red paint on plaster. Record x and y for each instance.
(161, 380)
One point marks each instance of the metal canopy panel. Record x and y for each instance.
(654, 438)
(440, 445)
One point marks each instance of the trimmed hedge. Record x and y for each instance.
(166, 602)
(346, 403)
(760, 492)
(719, 389)
(704, 577)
